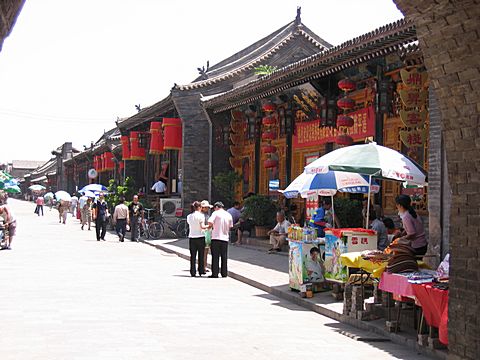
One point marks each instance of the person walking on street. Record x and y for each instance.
(121, 218)
(63, 209)
(196, 235)
(73, 205)
(100, 216)
(136, 218)
(40, 202)
(87, 213)
(10, 222)
(221, 221)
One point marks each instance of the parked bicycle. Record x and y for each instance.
(154, 227)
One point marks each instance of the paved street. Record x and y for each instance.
(64, 295)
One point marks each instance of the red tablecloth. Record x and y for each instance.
(396, 284)
(434, 304)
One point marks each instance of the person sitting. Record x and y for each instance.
(414, 232)
(314, 266)
(159, 187)
(236, 214)
(278, 234)
(244, 223)
(392, 230)
(380, 228)
(318, 220)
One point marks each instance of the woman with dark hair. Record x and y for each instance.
(413, 233)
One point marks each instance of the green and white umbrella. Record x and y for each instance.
(372, 160)
(12, 189)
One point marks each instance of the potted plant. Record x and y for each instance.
(262, 210)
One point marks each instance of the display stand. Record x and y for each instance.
(299, 254)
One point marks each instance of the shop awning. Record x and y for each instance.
(39, 179)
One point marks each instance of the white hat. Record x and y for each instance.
(205, 203)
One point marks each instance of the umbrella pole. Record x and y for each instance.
(333, 213)
(368, 200)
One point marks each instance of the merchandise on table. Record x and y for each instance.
(341, 241)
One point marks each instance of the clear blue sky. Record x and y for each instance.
(69, 68)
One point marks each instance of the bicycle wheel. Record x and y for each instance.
(155, 230)
(182, 229)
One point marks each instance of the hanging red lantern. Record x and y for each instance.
(268, 121)
(109, 163)
(156, 139)
(172, 133)
(269, 107)
(95, 163)
(270, 163)
(344, 120)
(345, 103)
(347, 85)
(269, 135)
(136, 152)
(125, 147)
(269, 149)
(344, 140)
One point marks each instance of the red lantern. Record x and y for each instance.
(346, 85)
(269, 107)
(346, 103)
(344, 120)
(269, 149)
(268, 121)
(344, 140)
(270, 163)
(136, 152)
(125, 147)
(108, 160)
(172, 133)
(268, 135)
(156, 140)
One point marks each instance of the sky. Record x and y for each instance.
(70, 68)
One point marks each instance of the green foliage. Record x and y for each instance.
(348, 212)
(225, 183)
(261, 209)
(127, 190)
(264, 70)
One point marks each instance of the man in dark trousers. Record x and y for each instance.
(136, 217)
(100, 216)
(221, 222)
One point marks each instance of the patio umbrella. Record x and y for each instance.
(89, 194)
(328, 184)
(37, 187)
(93, 187)
(5, 175)
(372, 160)
(48, 195)
(63, 196)
(14, 189)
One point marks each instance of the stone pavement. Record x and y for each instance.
(64, 295)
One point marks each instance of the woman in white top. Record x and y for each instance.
(196, 235)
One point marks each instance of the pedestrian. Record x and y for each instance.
(196, 235)
(100, 216)
(10, 223)
(87, 213)
(121, 218)
(63, 209)
(40, 201)
(205, 209)
(136, 218)
(221, 222)
(73, 205)
(81, 203)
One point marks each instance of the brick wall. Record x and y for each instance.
(448, 33)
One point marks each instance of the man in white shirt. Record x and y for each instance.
(278, 234)
(159, 187)
(222, 222)
(121, 218)
(196, 235)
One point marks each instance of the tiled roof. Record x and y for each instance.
(256, 54)
(384, 40)
(26, 164)
(147, 113)
(9, 10)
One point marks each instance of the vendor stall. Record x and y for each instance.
(341, 241)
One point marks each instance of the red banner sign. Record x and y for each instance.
(310, 133)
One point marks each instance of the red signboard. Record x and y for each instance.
(310, 133)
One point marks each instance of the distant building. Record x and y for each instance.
(18, 168)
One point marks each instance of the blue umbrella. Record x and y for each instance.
(328, 184)
(93, 187)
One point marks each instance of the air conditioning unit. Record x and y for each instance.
(169, 206)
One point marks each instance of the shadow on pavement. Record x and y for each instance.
(282, 303)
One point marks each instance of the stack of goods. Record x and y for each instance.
(295, 233)
(403, 259)
(420, 278)
(309, 234)
(357, 300)
(347, 299)
(375, 256)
